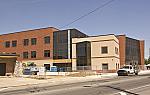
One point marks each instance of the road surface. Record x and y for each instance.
(122, 85)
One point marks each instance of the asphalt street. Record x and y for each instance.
(122, 85)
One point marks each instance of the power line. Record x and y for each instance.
(88, 13)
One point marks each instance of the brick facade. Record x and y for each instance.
(123, 49)
(142, 51)
(40, 46)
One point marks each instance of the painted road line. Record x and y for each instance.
(139, 87)
(148, 85)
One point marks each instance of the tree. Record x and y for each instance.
(147, 61)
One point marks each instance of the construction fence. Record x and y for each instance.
(81, 70)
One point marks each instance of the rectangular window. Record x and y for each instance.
(33, 41)
(104, 50)
(7, 44)
(14, 43)
(105, 66)
(46, 53)
(26, 42)
(47, 39)
(116, 50)
(33, 54)
(25, 55)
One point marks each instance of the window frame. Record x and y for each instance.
(33, 41)
(14, 43)
(103, 68)
(7, 44)
(33, 54)
(116, 50)
(25, 42)
(47, 53)
(47, 40)
(25, 55)
(104, 51)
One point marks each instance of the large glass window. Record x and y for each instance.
(33, 41)
(104, 50)
(47, 39)
(25, 55)
(26, 42)
(83, 53)
(132, 51)
(14, 43)
(33, 54)
(46, 53)
(7, 44)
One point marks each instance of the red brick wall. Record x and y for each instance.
(19, 36)
(142, 52)
(122, 50)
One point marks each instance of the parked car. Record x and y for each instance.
(31, 70)
(148, 66)
(53, 69)
(128, 69)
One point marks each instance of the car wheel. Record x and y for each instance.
(136, 73)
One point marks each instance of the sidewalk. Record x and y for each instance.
(6, 82)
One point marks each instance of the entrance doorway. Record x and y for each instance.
(2, 69)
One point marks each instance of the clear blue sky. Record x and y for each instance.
(130, 17)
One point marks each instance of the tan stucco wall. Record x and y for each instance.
(97, 59)
(96, 48)
(73, 51)
(96, 38)
(97, 63)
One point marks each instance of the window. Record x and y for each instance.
(104, 50)
(33, 54)
(14, 43)
(7, 44)
(46, 53)
(25, 55)
(116, 50)
(33, 41)
(105, 66)
(26, 42)
(47, 39)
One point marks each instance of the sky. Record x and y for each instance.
(129, 17)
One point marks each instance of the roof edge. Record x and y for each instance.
(29, 30)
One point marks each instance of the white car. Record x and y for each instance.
(128, 69)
